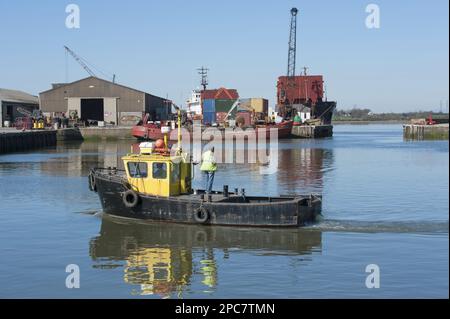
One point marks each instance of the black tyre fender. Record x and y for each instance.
(92, 182)
(130, 198)
(201, 215)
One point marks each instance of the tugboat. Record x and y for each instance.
(156, 184)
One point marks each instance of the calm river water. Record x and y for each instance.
(386, 202)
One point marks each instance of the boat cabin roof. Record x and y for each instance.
(155, 157)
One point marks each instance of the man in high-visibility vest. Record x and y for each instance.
(209, 167)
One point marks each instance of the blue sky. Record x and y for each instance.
(156, 46)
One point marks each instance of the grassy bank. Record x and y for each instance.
(365, 122)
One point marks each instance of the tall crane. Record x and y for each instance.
(286, 89)
(79, 60)
(83, 64)
(292, 44)
(293, 90)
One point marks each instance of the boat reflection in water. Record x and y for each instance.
(165, 259)
(304, 168)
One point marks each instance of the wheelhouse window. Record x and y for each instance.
(175, 174)
(137, 169)
(159, 170)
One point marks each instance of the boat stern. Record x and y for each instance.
(309, 208)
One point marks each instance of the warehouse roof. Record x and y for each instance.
(61, 85)
(17, 96)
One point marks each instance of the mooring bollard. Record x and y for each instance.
(225, 191)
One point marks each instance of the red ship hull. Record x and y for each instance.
(153, 131)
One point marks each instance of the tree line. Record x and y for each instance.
(365, 114)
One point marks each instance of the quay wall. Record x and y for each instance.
(425, 132)
(24, 141)
(69, 134)
(94, 133)
(106, 133)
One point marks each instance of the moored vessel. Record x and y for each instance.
(153, 131)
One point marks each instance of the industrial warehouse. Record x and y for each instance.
(96, 100)
(15, 104)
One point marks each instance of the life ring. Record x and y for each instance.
(92, 182)
(130, 198)
(201, 215)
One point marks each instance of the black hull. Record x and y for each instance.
(324, 110)
(233, 210)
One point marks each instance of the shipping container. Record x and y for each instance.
(223, 105)
(221, 93)
(220, 117)
(209, 106)
(247, 116)
(209, 118)
(260, 105)
(245, 105)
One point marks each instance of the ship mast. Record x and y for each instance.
(204, 75)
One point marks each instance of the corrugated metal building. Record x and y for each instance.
(14, 104)
(96, 99)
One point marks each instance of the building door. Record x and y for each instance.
(92, 110)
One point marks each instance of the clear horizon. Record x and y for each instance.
(157, 47)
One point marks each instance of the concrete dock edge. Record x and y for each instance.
(425, 132)
(24, 141)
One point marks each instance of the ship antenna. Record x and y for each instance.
(305, 69)
(204, 75)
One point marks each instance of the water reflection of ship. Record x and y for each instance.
(164, 259)
(82, 156)
(304, 167)
(299, 169)
(158, 270)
